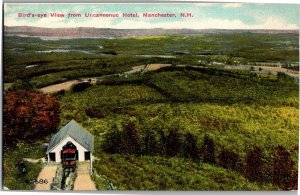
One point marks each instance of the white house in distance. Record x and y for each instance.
(80, 137)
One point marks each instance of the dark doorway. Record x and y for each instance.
(70, 151)
(87, 156)
(52, 156)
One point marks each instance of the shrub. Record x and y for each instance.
(228, 159)
(21, 85)
(95, 113)
(60, 93)
(80, 86)
(110, 52)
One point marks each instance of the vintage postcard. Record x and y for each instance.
(150, 96)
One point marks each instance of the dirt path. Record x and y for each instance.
(5, 188)
(47, 173)
(31, 160)
(153, 67)
(275, 70)
(64, 86)
(136, 69)
(83, 180)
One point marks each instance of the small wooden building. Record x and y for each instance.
(76, 134)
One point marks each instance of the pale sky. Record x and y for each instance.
(205, 15)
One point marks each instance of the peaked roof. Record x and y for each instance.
(75, 131)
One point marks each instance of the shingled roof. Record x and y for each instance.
(76, 132)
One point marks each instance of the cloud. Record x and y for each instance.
(232, 5)
(224, 5)
(204, 4)
(272, 22)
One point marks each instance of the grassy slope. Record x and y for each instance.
(236, 125)
(267, 122)
(127, 172)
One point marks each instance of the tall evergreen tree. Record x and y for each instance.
(130, 141)
(150, 143)
(190, 146)
(162, 142)
(173, 142)
(283, 170)
(208, 151)
(113, 141)
(254, 164)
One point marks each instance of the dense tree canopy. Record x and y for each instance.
(28, 115)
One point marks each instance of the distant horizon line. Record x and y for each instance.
(296, 29)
